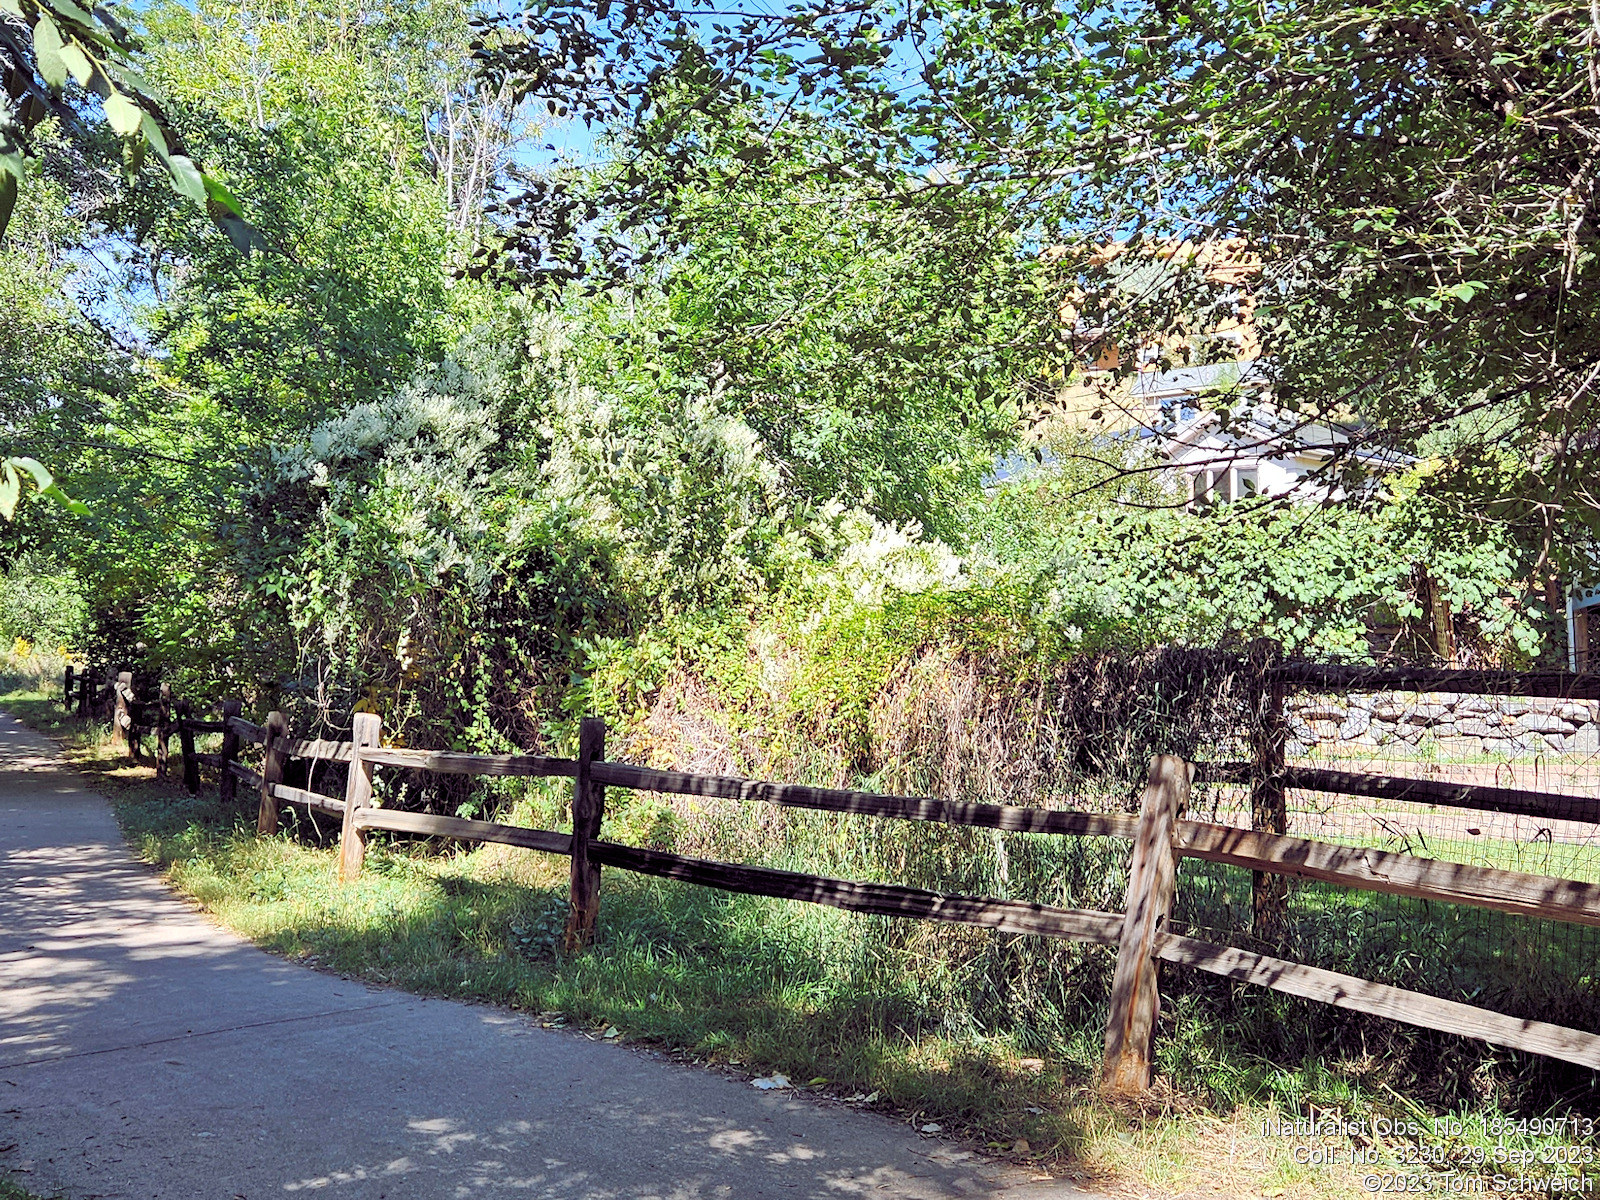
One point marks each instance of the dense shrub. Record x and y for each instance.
(42, 603)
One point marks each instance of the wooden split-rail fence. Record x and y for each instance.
(1161, 834)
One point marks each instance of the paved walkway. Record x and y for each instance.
(145, 1052)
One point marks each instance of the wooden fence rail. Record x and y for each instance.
(1394, 874)
(1324, 677)
(1558, 806)
(1004, 817)
(1382, 1000)
(1549, 805)
(1160, 834)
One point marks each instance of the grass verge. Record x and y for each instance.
(10, 1189)
(756, 985)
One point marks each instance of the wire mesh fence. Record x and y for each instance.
(1522, 966)
(1081, 736)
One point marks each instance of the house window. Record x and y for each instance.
(1206, 488)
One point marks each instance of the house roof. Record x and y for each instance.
(1267, 432)
(1191, 381)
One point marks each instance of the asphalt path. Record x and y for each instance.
(147, 1052)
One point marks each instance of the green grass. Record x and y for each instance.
(996, 1038)
(10, 1189)
(1427, 750)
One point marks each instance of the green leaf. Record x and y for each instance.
(153, 134)
(47, 47)
(125, 116)
(10, 490)
(73, 12)
(11, 485)
(13, 7)
(219, 194)
(76, 507)
(78, 63)
(186, 178)
(34, 467)
(8, 191)
(127, 77)
(242, 234)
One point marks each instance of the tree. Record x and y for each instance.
(48, 45)
(879, 352)
(214, 358)
(1418, 180)
(361, 198)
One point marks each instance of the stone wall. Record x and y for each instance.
(1454, 724)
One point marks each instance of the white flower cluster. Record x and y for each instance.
(879, 559)
(438, 416)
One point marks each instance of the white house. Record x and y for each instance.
(1258, 450)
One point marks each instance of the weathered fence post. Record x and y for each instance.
(367, 731)
(588, 807)
(1152, 880)
(122, 714)
(227, 785)
(1269, 813)
(191, 765)
(163, 728)
(66, 701)
(277, 731)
